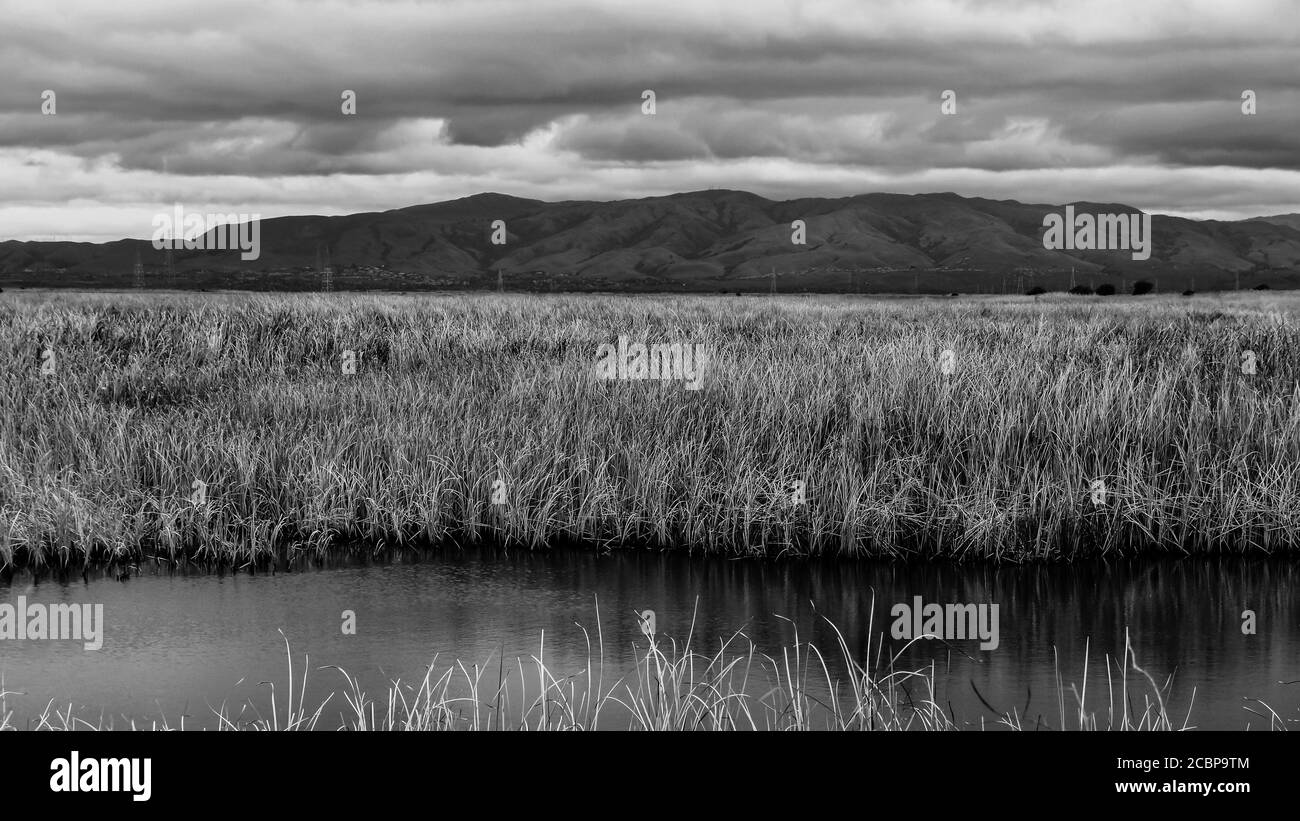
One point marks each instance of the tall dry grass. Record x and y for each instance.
(997, 460)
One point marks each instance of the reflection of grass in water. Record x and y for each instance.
(997, 460)
(672, 687)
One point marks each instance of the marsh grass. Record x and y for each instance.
(670, 687)
(996, 461)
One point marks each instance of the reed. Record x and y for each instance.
(998, 460)
(670, 687)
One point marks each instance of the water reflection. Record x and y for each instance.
(178, 643)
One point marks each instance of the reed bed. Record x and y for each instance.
(478, 418)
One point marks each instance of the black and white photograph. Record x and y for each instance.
(928, 367)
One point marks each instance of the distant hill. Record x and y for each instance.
(1289, 220)
(715, 240)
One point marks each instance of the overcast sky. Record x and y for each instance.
(236, 106)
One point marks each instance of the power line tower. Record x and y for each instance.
(501, 288)
(773, 280)
(137, 272)
(326, 270)
(168, 264)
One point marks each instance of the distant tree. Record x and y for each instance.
(954, 293)
(1189, 293)
(1036, 290)
(1106, 289)
(1263, 286)
(1142, 287)
(1081, 290)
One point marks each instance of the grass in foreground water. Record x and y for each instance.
(671, 687)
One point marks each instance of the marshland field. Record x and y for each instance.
(216, 467)
(1052, 429)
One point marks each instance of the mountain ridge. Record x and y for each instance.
(706, 240)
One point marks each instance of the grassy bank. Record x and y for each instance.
(1001, 458)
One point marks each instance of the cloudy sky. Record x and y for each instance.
(236, 106)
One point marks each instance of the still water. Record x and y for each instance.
(178, 644)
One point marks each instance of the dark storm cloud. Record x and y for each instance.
(544, 97)
(496, 78)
